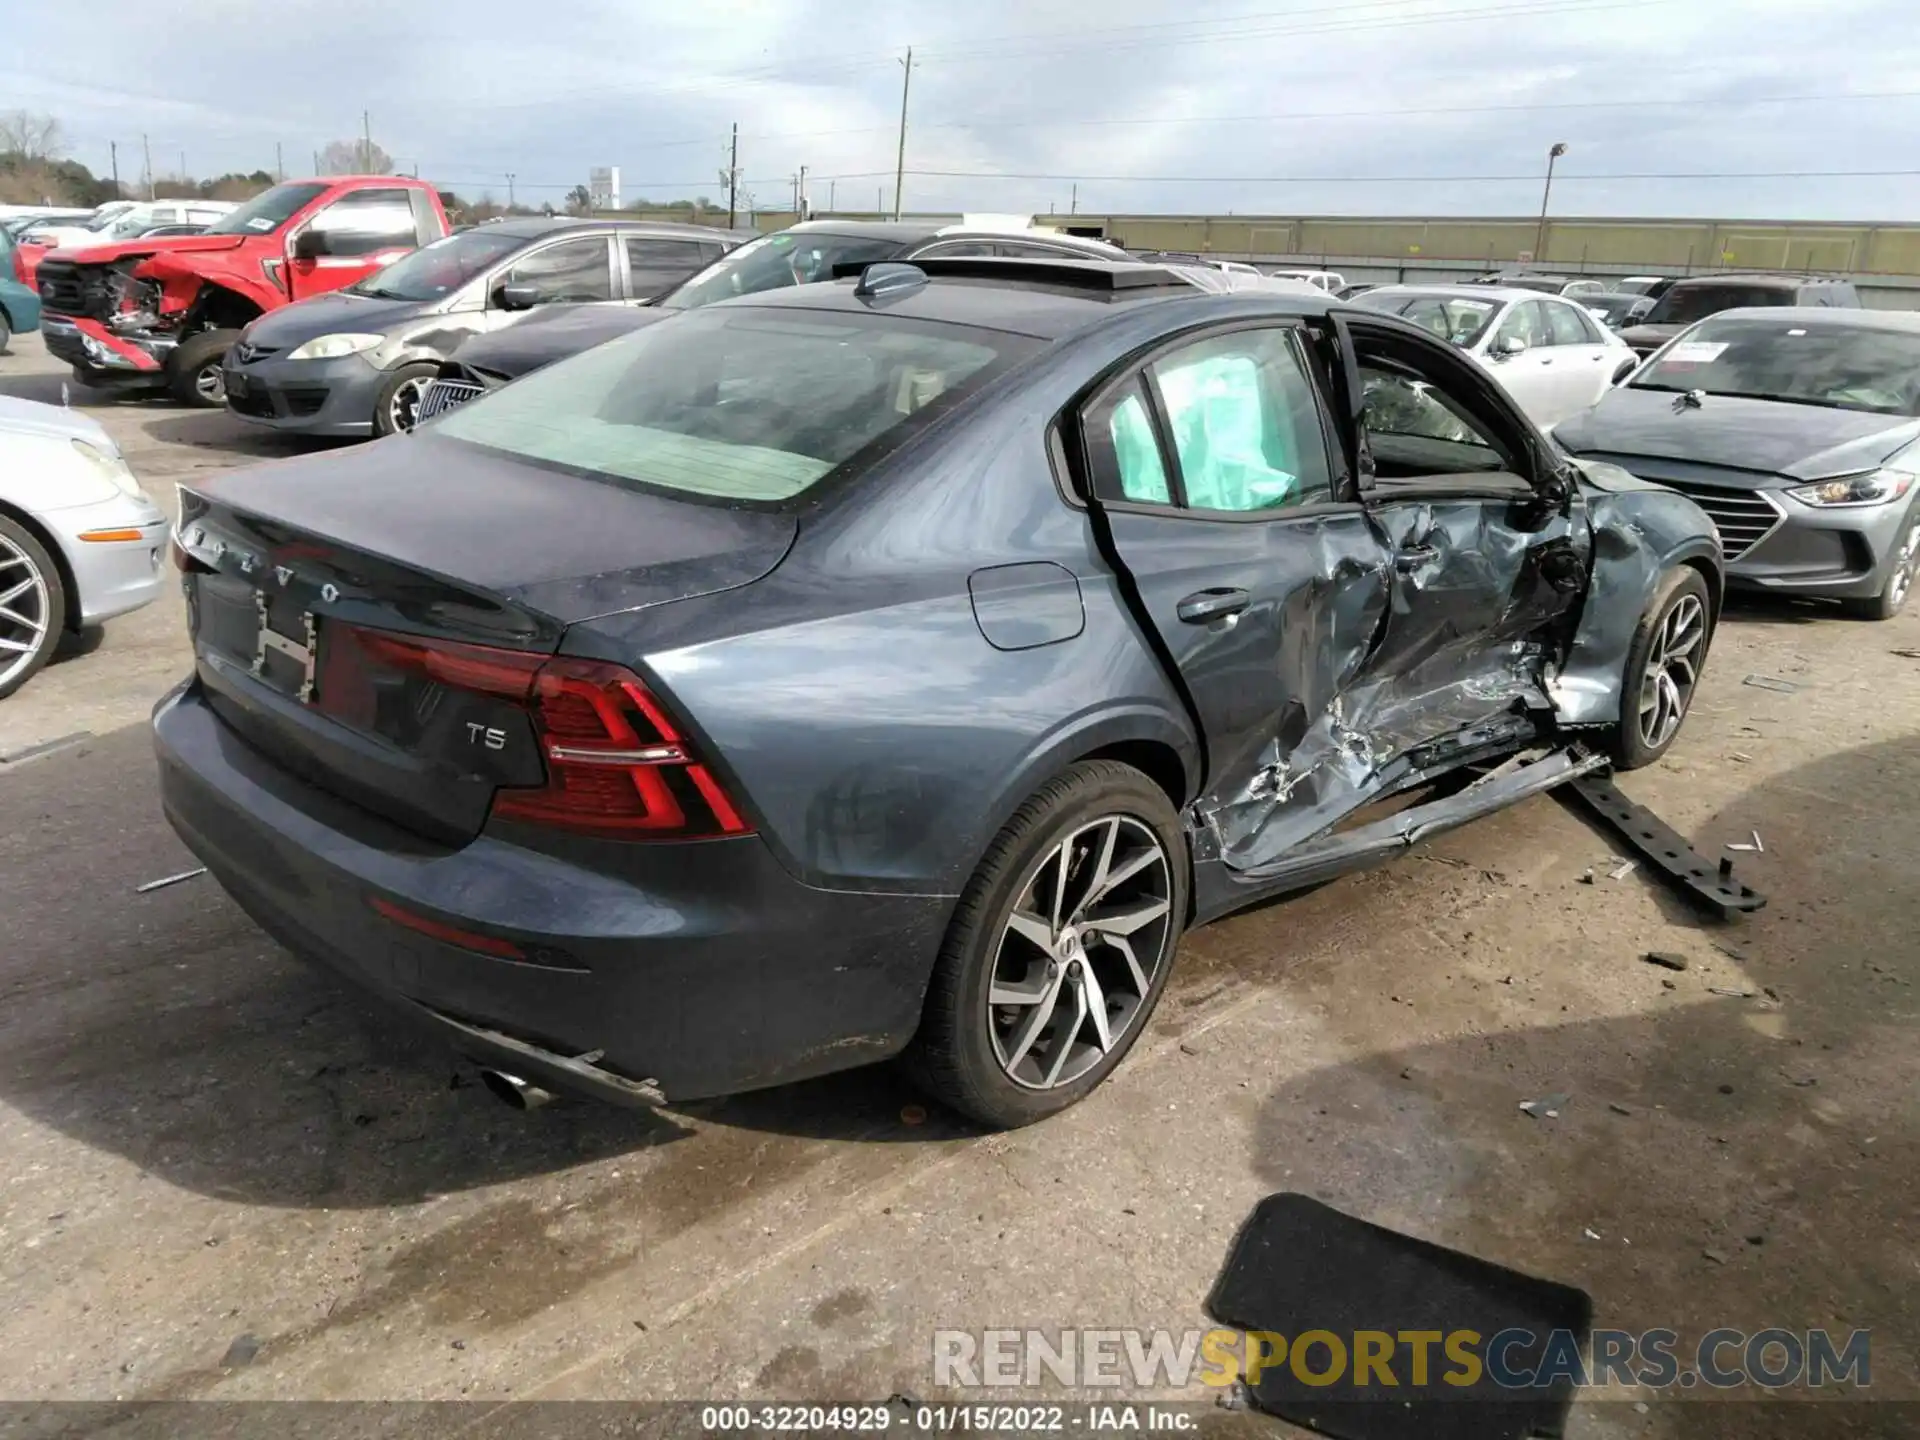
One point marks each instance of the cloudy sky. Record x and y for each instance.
(1736, 108)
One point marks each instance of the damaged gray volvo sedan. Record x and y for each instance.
(899, 665)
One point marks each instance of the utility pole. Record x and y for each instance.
(900, 157)
(316, 162)
(366, 141)
(146, 152)
(183, 167)
(803, 194)
(509, 189)
(733, 175)
(1540, 236)
(113, 149)
(832, 187)
(279, 165)
(1074, 205)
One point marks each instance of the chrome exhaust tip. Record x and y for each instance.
(512, 1091)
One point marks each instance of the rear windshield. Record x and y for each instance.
(1685, 304)
(738, 404)
(773, 262)
(1840, 367)
(266, 211)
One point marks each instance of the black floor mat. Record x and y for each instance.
(1300, 1266)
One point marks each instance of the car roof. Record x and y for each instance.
(1907, 321)
(533, 227)
(905, 231)
(1758, 277)
(1022, 298)
(1467, 291)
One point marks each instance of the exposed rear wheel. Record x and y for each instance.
(6, 332)
(33, 605)
(398, 402)
(1663, 668)
(194, 375)
(1058, 950)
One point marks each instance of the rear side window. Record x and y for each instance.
(1242, 427)
(1564, 324)
(742, 405)
(655, 266)
(1244, 423)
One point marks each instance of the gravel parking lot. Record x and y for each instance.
(201, 1140)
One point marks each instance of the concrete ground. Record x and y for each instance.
(201, 1140)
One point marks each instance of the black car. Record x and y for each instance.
(356, 361)
(1687, 302)
(799, 255)
(1616, 309)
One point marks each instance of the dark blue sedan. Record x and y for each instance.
(899, 665)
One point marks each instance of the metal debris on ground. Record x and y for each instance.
(1771, 682)
(1730, 994)
(1589, 1232)
(1753, 847)
(1673, 859)
(1617, 1108)
(165, 880)
(1715, 1256)
(1623, 869)
(1741, 757)
(1906, 654)
(1666, 960)
(1547, 1105)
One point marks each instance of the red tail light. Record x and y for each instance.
(616, 765)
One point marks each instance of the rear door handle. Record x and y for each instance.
(1413, 557)
(1205, 605)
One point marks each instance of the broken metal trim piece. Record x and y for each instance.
(580, 1069)
(1665, 849)
(1360, 845)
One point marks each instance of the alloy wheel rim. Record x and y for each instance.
(1081, 950)
(24, 620)
(1673, 669)
(404, 407)
(1904, 565)
(210, 384)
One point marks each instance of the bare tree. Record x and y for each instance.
(31, 136)
(580, 200)
(354, 157)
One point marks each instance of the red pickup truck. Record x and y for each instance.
(160, 313)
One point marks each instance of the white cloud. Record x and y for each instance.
(1289, 106)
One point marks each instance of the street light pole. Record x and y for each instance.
(900, 156)
(1540, 236)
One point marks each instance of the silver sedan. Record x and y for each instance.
(80, 542)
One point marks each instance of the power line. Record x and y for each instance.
(1409, 179)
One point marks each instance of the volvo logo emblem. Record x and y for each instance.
(283, 575)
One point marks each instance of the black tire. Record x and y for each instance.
(1892, 598)
(392, 411)
(1634, 742)
(193, 370)
(6, 332)
(953, 1056)
(24, 559)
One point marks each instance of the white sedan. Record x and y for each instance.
(1548, 353)
(80, 542)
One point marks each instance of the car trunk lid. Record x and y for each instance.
(374, 622)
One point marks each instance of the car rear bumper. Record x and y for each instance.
(306, 397)
(1833, 554)
(700, 969)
